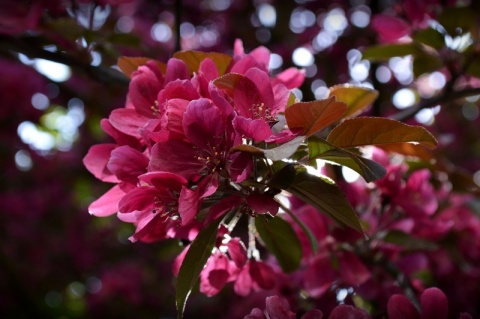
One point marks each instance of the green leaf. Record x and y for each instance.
(376, 131)
(283, 178)
(285, 150)
(430, 37)
(195, 259)
(281, 240)
(357, 98)
(313, 116)
(193, 59)
(368, 169)
(474, 67)
(278, 153)
(386, 51)
(311, 237)
(124, 39)
(426, 63)
(326, 197)
(408, 242)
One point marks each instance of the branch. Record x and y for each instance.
(30, 49)
(446, 96)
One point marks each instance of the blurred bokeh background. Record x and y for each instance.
(58, 80)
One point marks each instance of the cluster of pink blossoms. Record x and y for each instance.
(174, 153)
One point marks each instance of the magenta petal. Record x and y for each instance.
(208, 69)
(96, 162)
(390, 28)
(281, 95)
(190, 201)
(175, 156)
(128, 121)
(215, 274)
(165, 181)
(353, 271)
(176, 70)
(143, 89)
(202, 123)
(258, 129)
(434, 304)
(263, 204)
(313, 314)
(244, 64)
(120, 138)
(261, 81)
(400, 307)
(243, 284)
(255, 314)
(292, 78)
(261, 55)
(319, 276)
(178, 89)
(107, 204)
(278, 308)
(262, 274)
(348, 312)
(237, 252)
(127, 164)
(221, 207)
(188, 206)
(139, 199)
(240, 166)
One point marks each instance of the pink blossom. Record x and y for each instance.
(390, 28)
(434, 305)
(255, 275)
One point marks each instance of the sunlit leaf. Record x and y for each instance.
(376, 131)
(128, 65)
(281, 240)
(368, 169)
(195, 259)
(283, 151)
(311, 117)
(408, 149)
(357, 98)
(194, 58)
(386, 51)
(326, 197)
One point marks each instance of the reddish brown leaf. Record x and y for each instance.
(376, 131)
(128, 65)
(194, 58)
(228, 82)
(311, 117)
(408, 150)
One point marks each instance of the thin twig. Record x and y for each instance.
(100, 73)
(178, 22)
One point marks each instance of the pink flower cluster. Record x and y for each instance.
(433, 304)
(174, 143)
